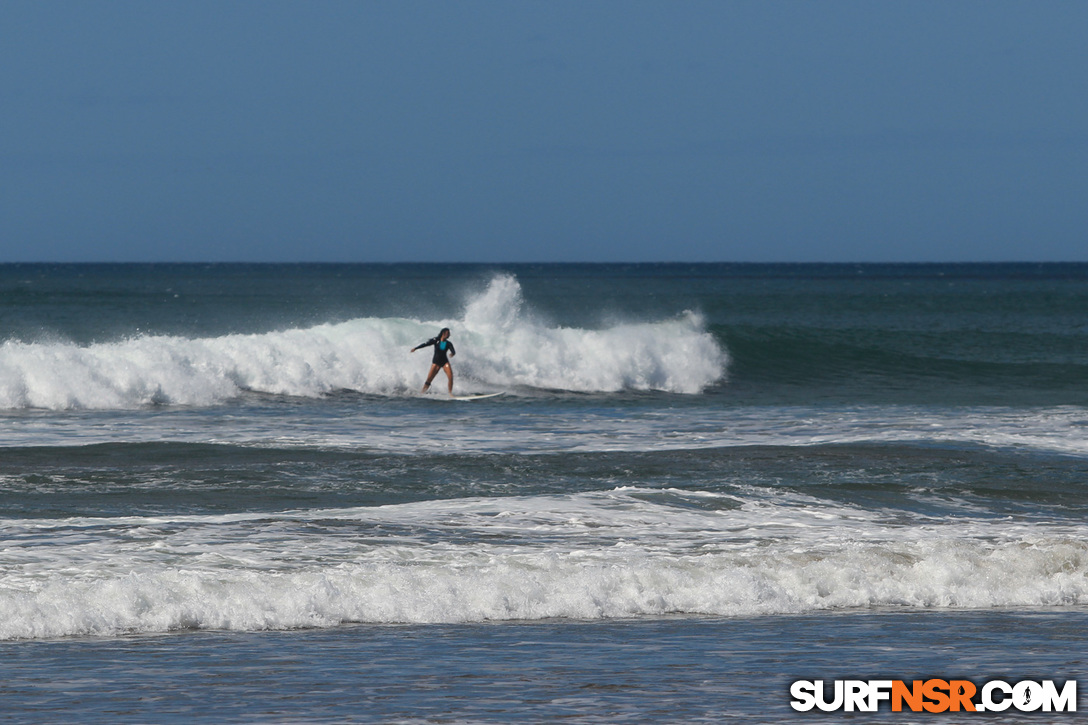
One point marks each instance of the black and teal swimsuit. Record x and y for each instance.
(442, 348)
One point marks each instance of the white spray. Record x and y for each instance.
(499, 346)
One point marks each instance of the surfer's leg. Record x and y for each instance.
(449, 374)
(430, 377)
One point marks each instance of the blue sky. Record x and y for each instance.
(543, 131)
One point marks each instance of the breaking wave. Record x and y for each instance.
(499, 346)
(628, 552)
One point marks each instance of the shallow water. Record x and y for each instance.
(672, 669)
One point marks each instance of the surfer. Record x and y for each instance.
(443, 351)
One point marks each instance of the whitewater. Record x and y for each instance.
(620, 553)
(504, 348)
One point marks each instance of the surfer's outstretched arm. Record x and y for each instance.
(430, 342)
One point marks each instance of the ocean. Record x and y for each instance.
(223, 497)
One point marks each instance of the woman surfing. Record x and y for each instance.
(443, 351)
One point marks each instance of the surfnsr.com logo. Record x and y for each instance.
(935, 696)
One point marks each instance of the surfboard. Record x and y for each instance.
(476, 397)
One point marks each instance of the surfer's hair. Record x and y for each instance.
(442, 332)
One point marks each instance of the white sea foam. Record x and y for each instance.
(499, 345)
(622, 553)
(521, 429)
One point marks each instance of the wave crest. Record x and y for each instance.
(499, 346)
